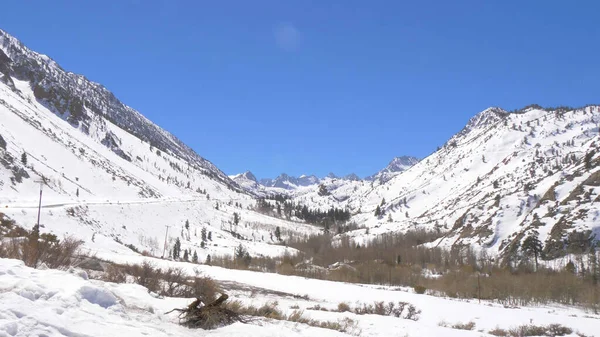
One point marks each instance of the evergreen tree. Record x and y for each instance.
(236, 218)
(208, 260)
(195, 257)
(77, 192)
(532, 246)
(209, 236)
(186, 256)
(378, 211)
(242, 256)
(202, 244)
(203, 234)
(278, 233)
(24, 158)
(177, 249)
(390, 218)
(382, 201)
(187, 224)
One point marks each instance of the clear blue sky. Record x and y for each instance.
(319, 86)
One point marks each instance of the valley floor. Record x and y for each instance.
(35, 302)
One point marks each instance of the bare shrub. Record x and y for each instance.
(464, 326)
(343, 307)
(419, 289)
(537, 330)
(498, 332)
(35, 249)
(114, 274)
(146, 275)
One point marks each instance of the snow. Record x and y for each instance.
(57, 303)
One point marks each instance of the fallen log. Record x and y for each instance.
(208, 316)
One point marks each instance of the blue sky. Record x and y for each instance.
(309, 87)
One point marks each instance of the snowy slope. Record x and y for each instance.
(503, 177)
(102, 181)
(57, 303)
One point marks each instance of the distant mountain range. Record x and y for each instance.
(287, 182)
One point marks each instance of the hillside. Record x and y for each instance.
(109, 175)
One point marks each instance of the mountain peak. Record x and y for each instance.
(398, 164)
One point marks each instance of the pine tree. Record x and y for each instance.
(390, 218)
(24, 158)
(208, 260)
(77, 192)
(209, 236)
(187, 224)
(177, 249)
(278, 233)
(203, 234)
(532, 246)
(382, 201)
(195, 257)
(236, 218)
(378, 211)
(186, 256)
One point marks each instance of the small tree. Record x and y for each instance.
(177, 249)
(203, 234)
(382, 201)
(209, 236)
(378, 211)
(242, 257)
(77, 192)
(208, 260)
(389, 219)
(236, 218)
(532, 246)
(187, 224)
(24, 158)
(278, 233)
(195, 257)
(186, 255)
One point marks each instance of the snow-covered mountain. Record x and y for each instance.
(397, 165)
(289, 182)
(505, 176)
(110, 175)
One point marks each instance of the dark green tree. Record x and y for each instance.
(278, 233)
(532, 246)
(208, 260)
(203, 234)
(209, 236)
(378, 211)
(195, 257)
(24, 158)
(236, 218)
(187, 224)
(177, 249)
(186, 255)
